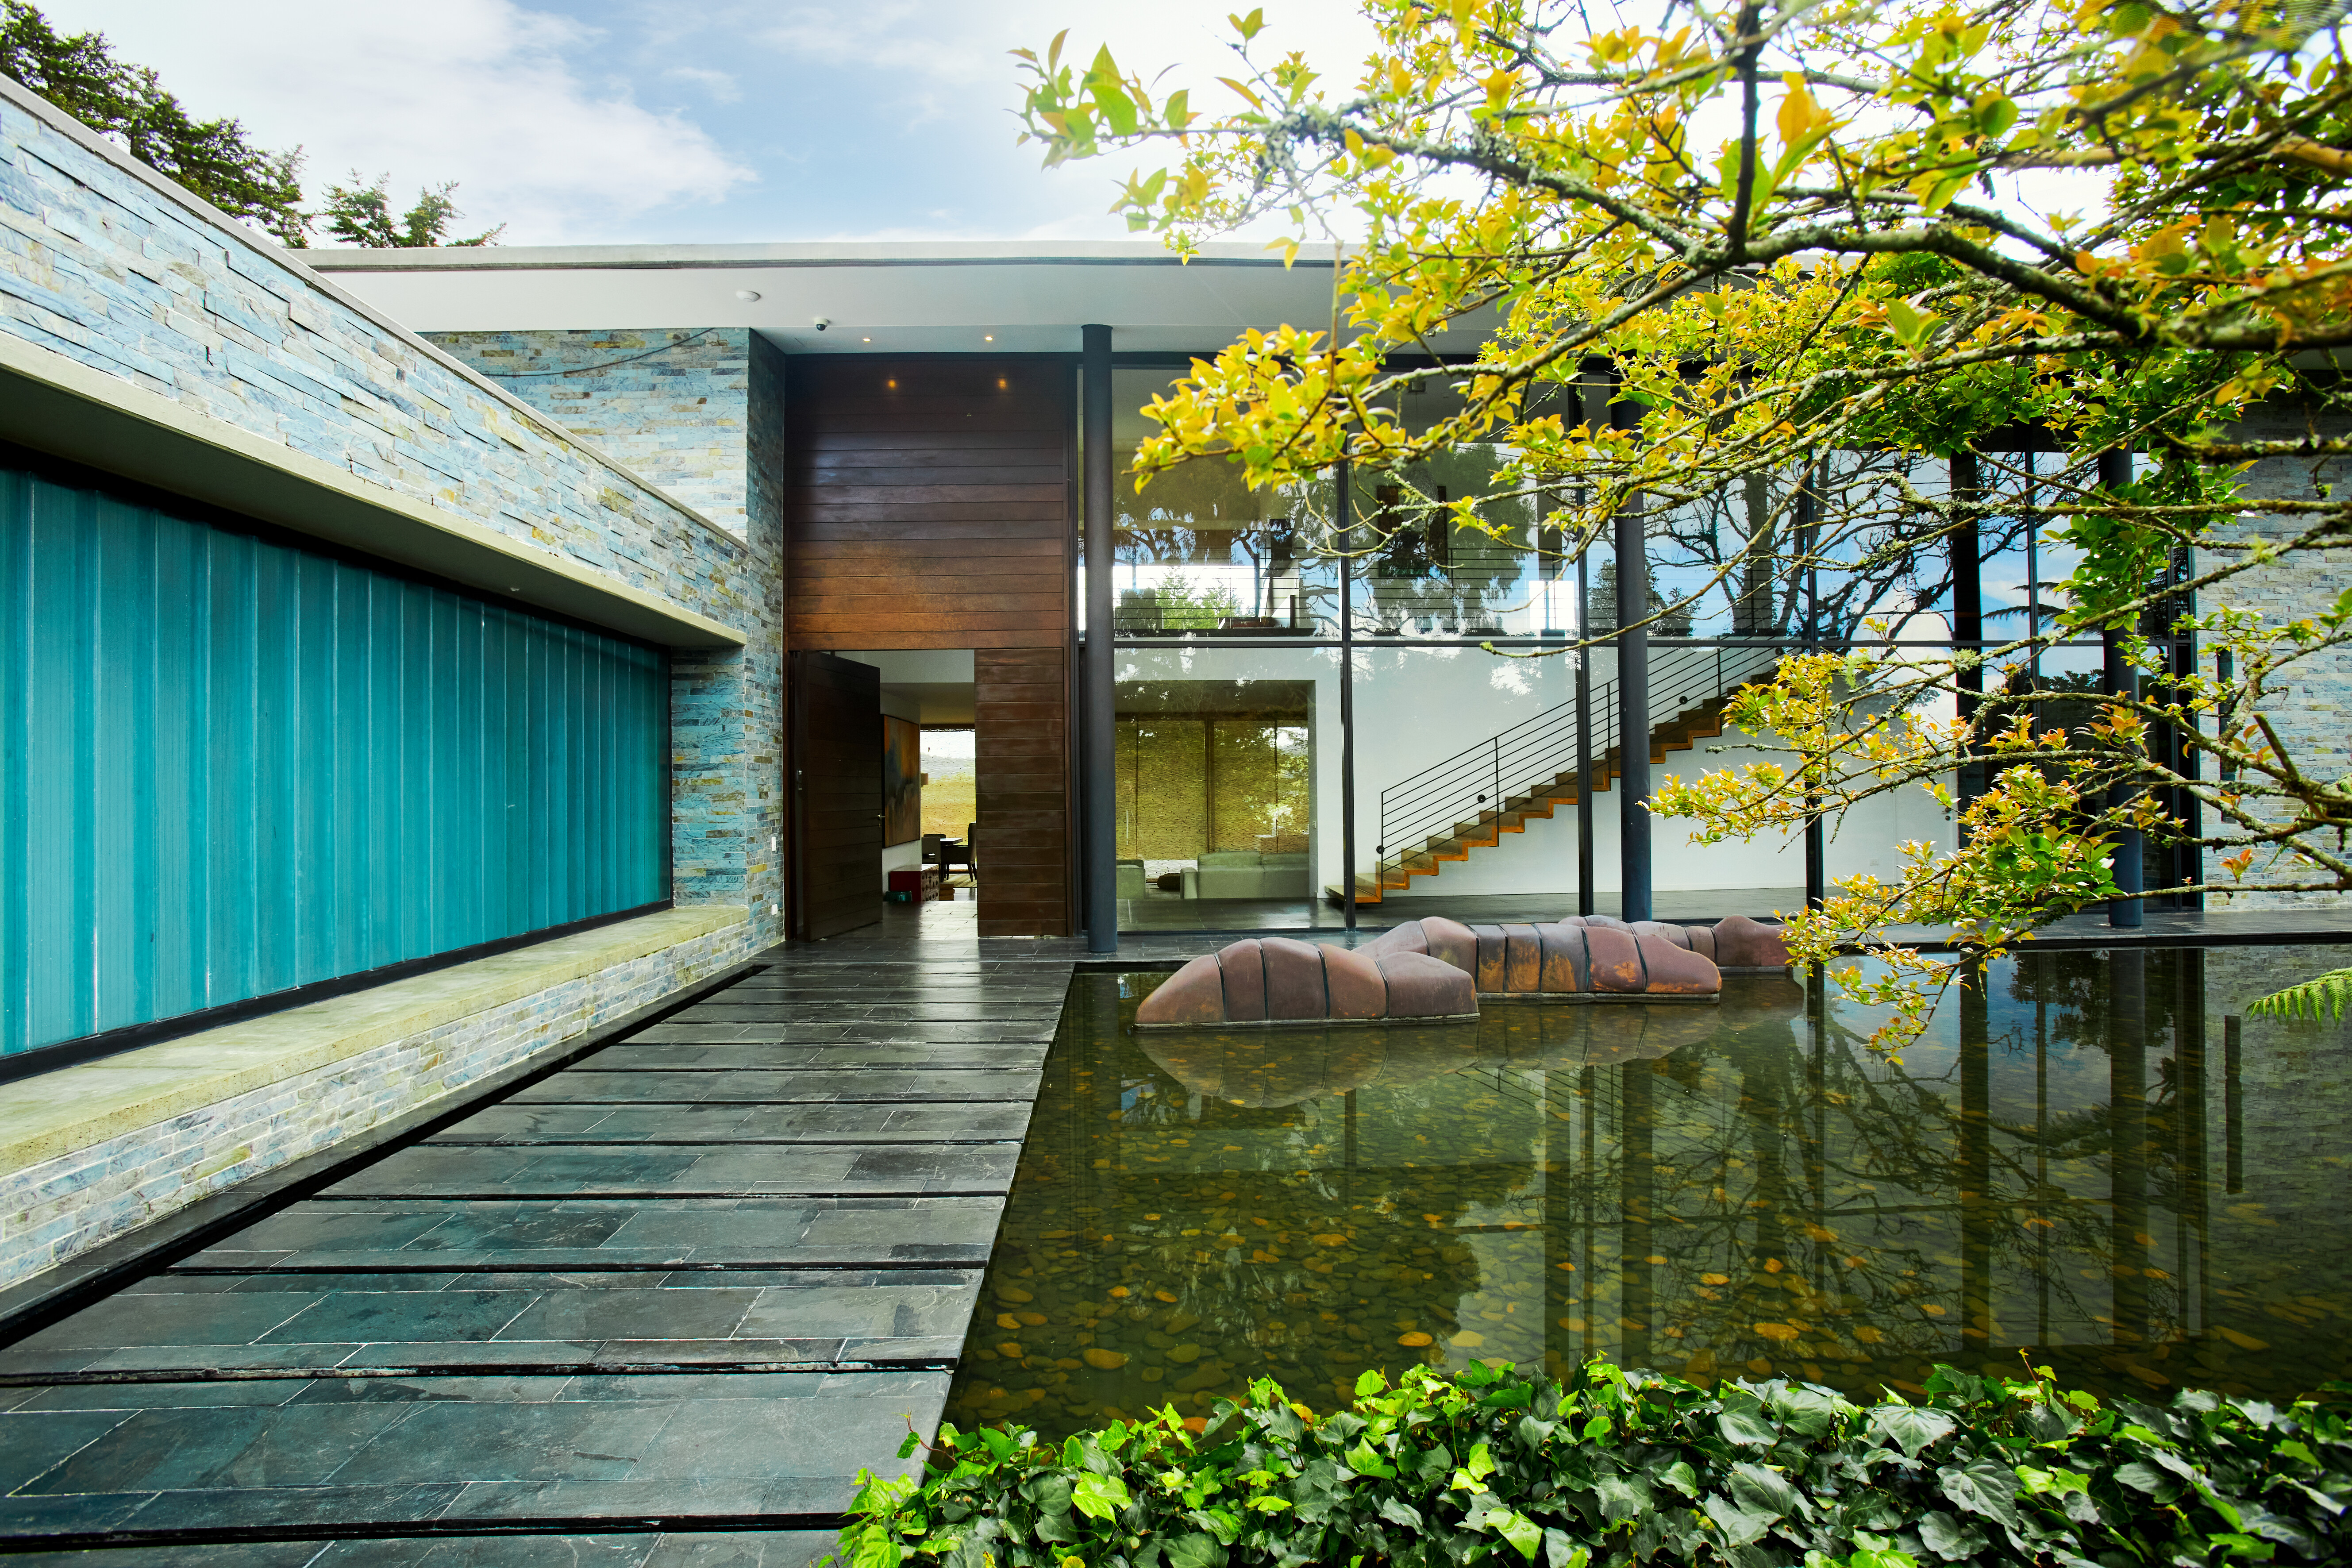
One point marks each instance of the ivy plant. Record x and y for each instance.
(1613, 1468)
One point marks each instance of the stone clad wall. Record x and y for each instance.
(2313, 710)
(673, 407)
(108, 264)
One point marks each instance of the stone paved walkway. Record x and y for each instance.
(655, 1308)
(653, 1311)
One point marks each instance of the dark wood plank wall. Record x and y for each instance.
(931, 505)
(930, 498)
(1022, 779)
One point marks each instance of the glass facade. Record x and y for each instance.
(1231, 685)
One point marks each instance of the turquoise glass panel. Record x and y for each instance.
(232, 767)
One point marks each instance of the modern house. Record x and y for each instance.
(414, 659)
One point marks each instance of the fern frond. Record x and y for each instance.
(2321, 995)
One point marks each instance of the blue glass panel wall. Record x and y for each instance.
(232, 767)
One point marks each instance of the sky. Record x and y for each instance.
(687, 122)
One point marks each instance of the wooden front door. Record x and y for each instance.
(836, 761)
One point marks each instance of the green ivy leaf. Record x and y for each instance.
(1194, 1549)
(1764, 1491)
(1519, 1530)
(1984, 1487)
(1099, 1497)
(1910, 1428)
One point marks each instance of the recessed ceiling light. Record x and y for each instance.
(990, 338)
(865, 340)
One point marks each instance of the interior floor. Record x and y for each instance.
(1486, 909)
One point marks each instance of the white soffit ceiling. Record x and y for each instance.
(936, 297)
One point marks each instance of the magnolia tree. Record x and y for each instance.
(1831, 259)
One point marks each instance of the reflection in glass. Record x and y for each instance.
(1198, 553)
(1215, 801)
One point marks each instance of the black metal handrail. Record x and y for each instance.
(1427, 807)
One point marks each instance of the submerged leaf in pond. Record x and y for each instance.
(1503, 1198)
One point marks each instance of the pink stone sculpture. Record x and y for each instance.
(1274, 981)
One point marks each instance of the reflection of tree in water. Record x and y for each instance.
(1754, 1279)
(1222, 1275)
(1810, 1208)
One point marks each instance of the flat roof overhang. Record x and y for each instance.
(932, 297)
(59, 405)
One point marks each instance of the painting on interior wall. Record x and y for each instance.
(902, 780)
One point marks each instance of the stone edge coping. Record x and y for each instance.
(54, 1113)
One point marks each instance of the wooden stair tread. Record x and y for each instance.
(1702, 722)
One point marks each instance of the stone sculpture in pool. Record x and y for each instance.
(1436, 969)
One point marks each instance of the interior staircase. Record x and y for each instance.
(1454, 808)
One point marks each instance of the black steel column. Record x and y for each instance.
(1343, 518)
(1965, 554)
(1585, 880)
(1100, 876)
(1817, 833)
(2122, 679)
(1632, 693)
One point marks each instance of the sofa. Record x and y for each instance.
(1246, 874)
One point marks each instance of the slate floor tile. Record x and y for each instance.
(569, 1550)
(212, 1317)
(180, 1449)
(820, 1168)
(657, 1313)
(635, 1057)
(723, 1444)
(986, 1122)
(717, 1549)
(815, 1085)
(568, 1227)
(364, 1317)
(595, 1123)
(230, 1554)
(33, 1442)
(605, 1233)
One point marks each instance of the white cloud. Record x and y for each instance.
(969, 43)
(484, 92)
(718, 86)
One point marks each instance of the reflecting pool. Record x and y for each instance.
(2088, 1159)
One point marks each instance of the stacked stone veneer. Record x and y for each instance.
(700, 413)
(108, 264)
(2312, 709)
(674, 406)
(57, 1208)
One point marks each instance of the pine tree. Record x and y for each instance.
(129, 106)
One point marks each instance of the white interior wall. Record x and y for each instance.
(1418, 706)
